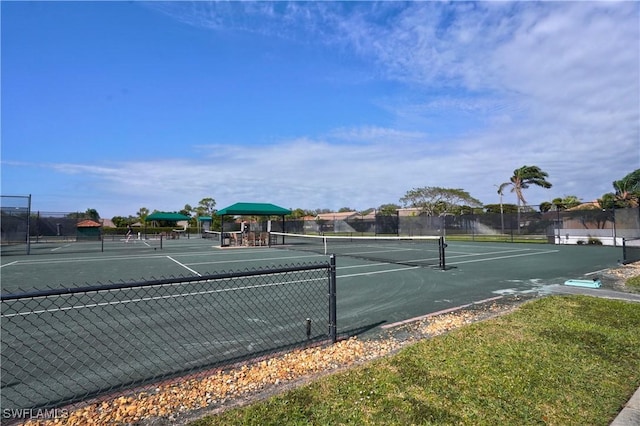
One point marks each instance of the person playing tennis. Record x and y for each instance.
(129, 232)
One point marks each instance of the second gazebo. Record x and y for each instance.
(251, 233)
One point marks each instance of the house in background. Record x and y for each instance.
(107, 223)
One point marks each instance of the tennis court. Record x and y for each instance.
(370, 293)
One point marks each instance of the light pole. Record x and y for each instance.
(501, 210)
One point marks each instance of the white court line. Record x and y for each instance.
(61, 247)
(454, 245)
(377, 272)
(108, 258)
(146, 299)
(318, 255)
(185, 266)
(105, 258)
(596, 272)
(369, 265)
(502, 257)
(462, 253)
(9, 264)
(255, 260)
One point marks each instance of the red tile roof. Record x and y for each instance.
(88, 224)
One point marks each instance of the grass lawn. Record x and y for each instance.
(634, 282)
(556, 361)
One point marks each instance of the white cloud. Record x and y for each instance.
(552, 84)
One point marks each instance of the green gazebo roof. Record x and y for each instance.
(166, 216)
(255, 209)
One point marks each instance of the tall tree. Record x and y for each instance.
(567, 202)
(187, 210)
(298, 213)
(609, 201)
(92, 214)
(546, 206)
(434, 200)
(523, 178)
(500, 208)
(143, 212)
(388, 209)
(206, 207)
(119, 221)
(628, 189)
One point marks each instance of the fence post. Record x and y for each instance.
(333, 327)
(614, 227)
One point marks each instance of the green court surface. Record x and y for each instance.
(369, 294)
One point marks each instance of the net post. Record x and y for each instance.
(333, 334)
(441, 248)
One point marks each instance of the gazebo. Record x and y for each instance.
(205, 223)
(170, 217)
(252, 209)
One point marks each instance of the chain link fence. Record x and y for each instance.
(14, 217)
(630, 250)
(61, 346)
(24, 230)
(593, 226)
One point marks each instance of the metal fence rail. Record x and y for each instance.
(68, 345)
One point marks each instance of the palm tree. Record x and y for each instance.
(628, 189)
(143, 212)
(522, 178)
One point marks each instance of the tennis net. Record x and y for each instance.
(229, 236)
(212, 235)
(425, 251)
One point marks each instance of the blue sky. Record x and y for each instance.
(122, 105)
